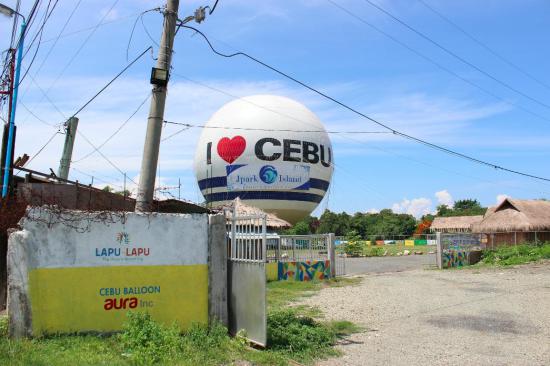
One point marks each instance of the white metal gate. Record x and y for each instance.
(246, 239)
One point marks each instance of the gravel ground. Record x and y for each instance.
(451, 317)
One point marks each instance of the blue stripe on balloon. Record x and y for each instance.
(215, 182)
(263, 195)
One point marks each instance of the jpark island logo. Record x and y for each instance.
(268, 174)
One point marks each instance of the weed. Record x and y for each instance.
(146, 341)
(302, 336)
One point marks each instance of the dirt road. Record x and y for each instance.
(451, 317)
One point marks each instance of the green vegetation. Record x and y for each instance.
(517, 254)
(366, 225)
(361, 248)
(295, 333)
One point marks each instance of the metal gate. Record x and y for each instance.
(246, 239)
(306, 248)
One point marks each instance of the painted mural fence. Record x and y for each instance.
(303, 258)
(458, 250)
(304, 270)
(76, 271)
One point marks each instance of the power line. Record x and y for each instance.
(42, 148)
(437, 64)
(39, 34)
(458, 57)
(484, 45)
(344, 136)
(112, 80)
(52, 46)
(73, 57)
(116, 131)
(392, 130)
(103, 156)
(272, 129)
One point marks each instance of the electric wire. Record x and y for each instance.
(35, 116)
(104, 156)
(39, 34)
(50, 50)
(458, 57)
(41, 149)
(111, 81)
(484, 45)
(438, 65)
(95, 177)
(351, 109)
(82, 45)
(140, 16)
(188, 125)
(116, 131)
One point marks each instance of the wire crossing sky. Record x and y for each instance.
(390, 72)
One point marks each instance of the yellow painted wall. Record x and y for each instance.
(69, 299)
(272, 271)
(409, 243)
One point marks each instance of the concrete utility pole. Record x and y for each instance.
(159, 78)
(65, 162)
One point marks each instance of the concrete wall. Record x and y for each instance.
(72, 271)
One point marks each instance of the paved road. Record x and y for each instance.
(451, 317)
(388, 264)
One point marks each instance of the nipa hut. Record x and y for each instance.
(273, 223)
(454, 224)
(516, 221)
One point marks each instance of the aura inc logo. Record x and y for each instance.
(268, 174)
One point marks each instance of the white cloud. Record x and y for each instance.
(416, 207)
(373, 210)
(501, 197)
(444, 198)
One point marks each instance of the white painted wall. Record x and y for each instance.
(75, 238)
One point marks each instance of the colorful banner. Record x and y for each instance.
(98, 298)
(267, 177)
(304, 271)
(409, 243)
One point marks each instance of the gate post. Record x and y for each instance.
(217, 270)
(439, 251)
(331, 251)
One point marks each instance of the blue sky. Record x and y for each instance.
(327, 48)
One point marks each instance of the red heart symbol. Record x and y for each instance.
(230, 149)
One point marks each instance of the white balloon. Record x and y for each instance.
(270, 151)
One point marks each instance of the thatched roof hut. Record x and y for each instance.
(242, 209)
(515, 215)
(455, 224)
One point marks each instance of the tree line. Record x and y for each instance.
(383, 223)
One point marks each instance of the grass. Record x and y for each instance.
(517, 254)
(294, 333)
(365, 250)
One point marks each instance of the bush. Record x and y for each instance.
(354, 245)
(297, 334)
(517, 254)
(148, 342)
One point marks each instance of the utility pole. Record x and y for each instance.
(159, 79)
(11, 129)
(70, 135)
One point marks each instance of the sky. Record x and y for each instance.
(396, 76)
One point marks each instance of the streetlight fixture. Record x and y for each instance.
(6, 10)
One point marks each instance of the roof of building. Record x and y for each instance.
(516, 215)
(455, 223)
(242, 209)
